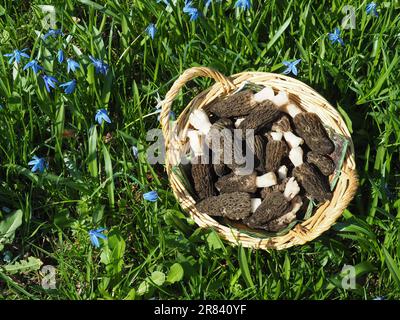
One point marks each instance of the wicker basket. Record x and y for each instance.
(305, 97)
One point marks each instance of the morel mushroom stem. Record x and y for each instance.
(282, 172)
(292, 109)
(195, 142)
(199, 119)
(238, 122)
(283, 126)
(255, 203)
(245, 183)
(291, 189)
(281, 99)
(265, 94)
(277, 136)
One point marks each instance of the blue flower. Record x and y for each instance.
(135, 151)
(16, 55)
(99, 65)
(150, 196)
(60, 56)
(371, 8)
(39, 164)
(34, 66)
(49, 82)
(291, 66)
(53, 33)
(243, 4)
(102, 115)
(69, 86)
(192, 11)
(95, 235)
(72, 65)
(151, 30)
(335, 37)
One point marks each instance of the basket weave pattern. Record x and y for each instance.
(307, 99)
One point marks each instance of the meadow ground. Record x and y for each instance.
(94, 179)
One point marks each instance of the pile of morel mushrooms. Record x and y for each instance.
(292, 162)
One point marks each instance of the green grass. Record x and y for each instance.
(153, 249)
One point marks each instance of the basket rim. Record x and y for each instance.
(322, 218)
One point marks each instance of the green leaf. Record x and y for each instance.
(9, 225)
(158, 278)
(109, 175)
(393, 267)
(279, 33)
(23, 266)
(92, 157)
(175, 273)
(144, 287)
(244, 267)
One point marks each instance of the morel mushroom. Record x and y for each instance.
(195, 141)
(316, 185)
(276, 150)
(257, 150)
(274, 205)
(245, 183)
(234, 105)
(284, 220)
(283, 126)
(262, 115)
(202, 178)
(322, 162)
(309, 126)
(234, 206)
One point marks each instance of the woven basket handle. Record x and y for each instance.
(186, 76)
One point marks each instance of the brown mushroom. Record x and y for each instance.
(202, 178)
(283, 126)
(235, 105)
(275, 151)
(234, 206)
(280, 187)
(322, 162)
(257, 150)
(315, 184)
(244, 183)
(284, 220)
(273, 206)
(263, 114)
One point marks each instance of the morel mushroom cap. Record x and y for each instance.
(322, 162)
(273, 206)
(202, 178)
(257, 149)
(199, 120)
(284, 220)
(275, 151)
(280, 187)
(309, 127)
(262, 115)
(282, 125)
(234, 206)
(315, 184)
(235, 105)
(245, 183)
(220, 169)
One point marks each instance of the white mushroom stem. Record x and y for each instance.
(195, 141)
(292, 140)
(277, 136)
(255, 203)
(266, 180)
(291, 189)
(265, 94)
(238, 122)
(280, 99)
(282, 172)
(296, 156)
(199, 119)
(292, 109)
